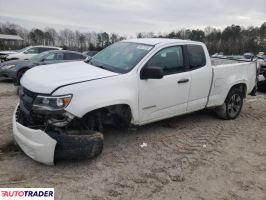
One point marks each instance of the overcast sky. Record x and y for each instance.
(131, 16)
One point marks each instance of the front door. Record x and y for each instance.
(166, 97)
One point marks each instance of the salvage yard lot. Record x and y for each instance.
(195, 156)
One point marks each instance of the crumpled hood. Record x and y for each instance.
(7, 52)
(45, 79)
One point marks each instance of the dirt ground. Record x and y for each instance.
(195, 156)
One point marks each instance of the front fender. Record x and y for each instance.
(101, 93)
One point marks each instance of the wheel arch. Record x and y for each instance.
(242, 86)
(110, 105)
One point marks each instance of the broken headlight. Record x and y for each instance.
(51, 103)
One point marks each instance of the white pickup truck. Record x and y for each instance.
(132, 82)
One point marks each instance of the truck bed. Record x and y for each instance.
(227, 73)
(222, 61)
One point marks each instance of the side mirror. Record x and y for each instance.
(151, 73)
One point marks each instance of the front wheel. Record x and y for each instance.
(232, 105)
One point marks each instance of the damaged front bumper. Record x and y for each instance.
(48, 146)
(37, 144)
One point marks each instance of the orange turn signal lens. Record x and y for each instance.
(66, 101)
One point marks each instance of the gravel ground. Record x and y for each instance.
(195, 156)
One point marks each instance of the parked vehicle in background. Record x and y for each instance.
(90, 54)
(262, 79)
(4, 54)
(262, 75)
(14, 69)
(248, 56)
(28, 52)
(218, 55)
(132, 82)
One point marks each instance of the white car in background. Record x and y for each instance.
(30, 51)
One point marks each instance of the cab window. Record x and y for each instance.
(170, 59)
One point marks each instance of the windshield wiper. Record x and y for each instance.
(106, 68)
(102, 67)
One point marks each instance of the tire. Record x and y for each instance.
(77, 147)
(232, 105)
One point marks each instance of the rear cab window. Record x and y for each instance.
(196, 56)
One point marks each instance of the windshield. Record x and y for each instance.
(21, 50)
(39, 57)
(120, 57)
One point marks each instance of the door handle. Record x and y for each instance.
(183, 80)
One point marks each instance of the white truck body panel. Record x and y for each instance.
(56, 75)
(149, 100)
(226, 76)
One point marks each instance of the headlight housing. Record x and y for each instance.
(8, 66)
(51, 103)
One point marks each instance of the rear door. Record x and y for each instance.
(166, 97)
(201, 77)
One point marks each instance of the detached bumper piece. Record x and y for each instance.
(49, 147)
(78, 147)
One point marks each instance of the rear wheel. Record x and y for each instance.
(232, 105)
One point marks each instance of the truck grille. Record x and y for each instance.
(26, 99)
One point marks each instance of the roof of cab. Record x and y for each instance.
(155, 41)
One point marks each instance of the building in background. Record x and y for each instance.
(9, 42)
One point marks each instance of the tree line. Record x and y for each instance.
(66, 38)
(233, 39)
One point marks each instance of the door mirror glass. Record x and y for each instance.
(151, 73)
